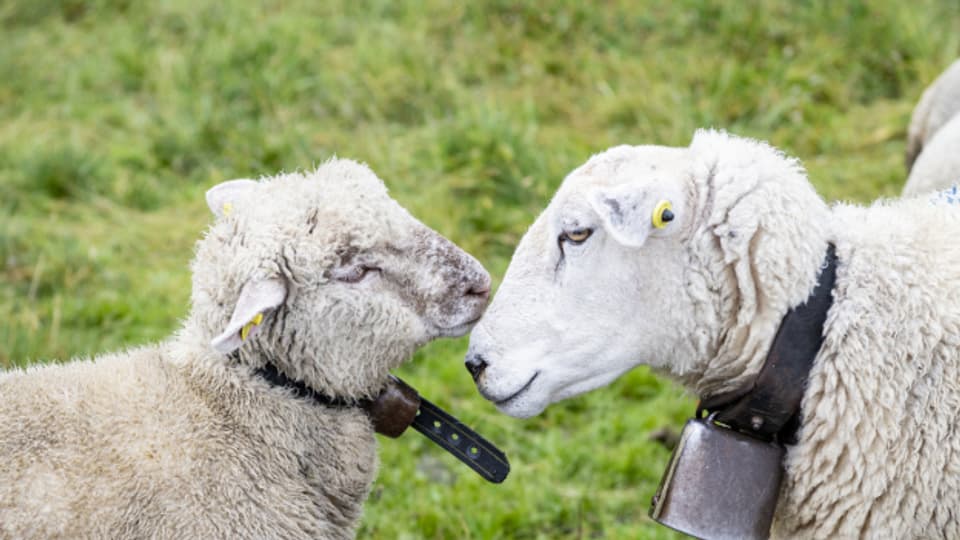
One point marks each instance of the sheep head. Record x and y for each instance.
(327, 277)
(683, 259)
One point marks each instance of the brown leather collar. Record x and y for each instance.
(770, 408)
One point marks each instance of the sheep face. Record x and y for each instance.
(327, 277)
(568, 316)
(649, 255)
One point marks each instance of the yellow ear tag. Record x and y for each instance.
(245, 331)
(662, 214)
(227, 208)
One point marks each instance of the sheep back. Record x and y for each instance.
(879, 450)
(143, 445)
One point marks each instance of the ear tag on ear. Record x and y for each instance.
(662, 214)
(253, 322)
(227, 208)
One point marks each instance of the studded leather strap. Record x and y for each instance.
(464, 443)
(399, 406)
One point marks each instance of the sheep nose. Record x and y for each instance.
(478, 290)
(478, 287)
(475, 365)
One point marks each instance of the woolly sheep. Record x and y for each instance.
(934, 136)
(183, 439)
(939, 103)
(594, 289)
(938, 166)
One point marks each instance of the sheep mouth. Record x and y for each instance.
(503, 402)
(457, 330)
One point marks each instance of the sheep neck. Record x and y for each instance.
(770, 406)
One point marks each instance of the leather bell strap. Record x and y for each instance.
(770, 408)
(465, 444)
(399, 406)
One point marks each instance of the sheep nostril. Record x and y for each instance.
(475, 365)
(477, 287)
(480, 291)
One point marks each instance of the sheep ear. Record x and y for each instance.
(625, 211)
(256, 299)
(220, 197)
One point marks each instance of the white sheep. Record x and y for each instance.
(595, 288)
(938, 166)
(934, 136)
(322, 275)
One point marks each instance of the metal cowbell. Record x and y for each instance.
(719, 484)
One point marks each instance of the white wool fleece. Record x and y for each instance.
(700, 297)
(322, 275)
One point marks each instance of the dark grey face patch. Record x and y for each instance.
(616, 213)
(347, 254)
(437, 278)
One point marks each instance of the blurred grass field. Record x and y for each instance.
(116, 115)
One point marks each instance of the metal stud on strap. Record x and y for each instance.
(464, 443)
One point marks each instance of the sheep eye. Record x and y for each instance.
(354, 274)
(576, 236)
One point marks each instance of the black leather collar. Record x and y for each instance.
(399, 406)
(770, 409)
(272, 375)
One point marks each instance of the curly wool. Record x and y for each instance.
(879, 450)
(184, 440)
(878, 454)
(701, 300)
(138, 445)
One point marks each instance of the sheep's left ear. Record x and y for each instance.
(631, 212)
(257, 298)
(220, 198)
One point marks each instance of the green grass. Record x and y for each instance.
(115, 116)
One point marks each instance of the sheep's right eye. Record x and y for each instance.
(354, 274)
